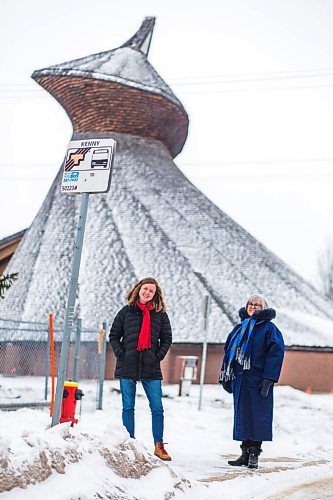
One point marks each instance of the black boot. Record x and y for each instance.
(254, 452)
(243, 459)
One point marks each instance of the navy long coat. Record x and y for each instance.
(253, 414)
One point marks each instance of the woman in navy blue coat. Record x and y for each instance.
(252, 362)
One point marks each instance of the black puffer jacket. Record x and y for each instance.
(124, 335)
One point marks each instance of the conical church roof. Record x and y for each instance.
(121, 92)
(127, 64)
(154, 222)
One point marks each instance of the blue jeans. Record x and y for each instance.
(153, 390)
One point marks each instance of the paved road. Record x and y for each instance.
(317, 490)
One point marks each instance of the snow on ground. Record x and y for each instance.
(97, 460)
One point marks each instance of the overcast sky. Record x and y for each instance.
(256, 78)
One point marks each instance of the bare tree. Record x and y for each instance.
(6, 282)
(325, 270)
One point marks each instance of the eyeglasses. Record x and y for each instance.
(257, 306)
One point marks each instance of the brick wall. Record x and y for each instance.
(98, 105)
(310, 370)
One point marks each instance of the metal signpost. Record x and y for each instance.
(77, 350)
(101, 370)
(87, 169)
(205, 313)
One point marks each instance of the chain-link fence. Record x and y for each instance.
(25, 363)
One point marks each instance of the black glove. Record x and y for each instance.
(225, 384)
(265, 387)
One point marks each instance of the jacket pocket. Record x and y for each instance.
(121, 355)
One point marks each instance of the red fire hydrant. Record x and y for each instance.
(70, 396)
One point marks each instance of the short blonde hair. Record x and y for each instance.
(258, 298)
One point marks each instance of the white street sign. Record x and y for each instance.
(88, 166)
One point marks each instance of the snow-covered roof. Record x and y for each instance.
(154, 222)
(123, 65)
(127, 65)
(122, 92)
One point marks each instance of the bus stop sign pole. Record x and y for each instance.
(70, 309)
(87, 169)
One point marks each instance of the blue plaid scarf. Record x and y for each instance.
(239, 349)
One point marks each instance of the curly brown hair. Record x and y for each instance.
(158, 300)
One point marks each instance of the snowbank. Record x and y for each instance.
(97, 460)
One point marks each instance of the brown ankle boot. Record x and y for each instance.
(161, 452)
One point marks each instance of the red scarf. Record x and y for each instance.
(144, 341)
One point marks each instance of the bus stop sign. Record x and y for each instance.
(88, 166)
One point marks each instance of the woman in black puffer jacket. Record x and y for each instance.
(141, 337)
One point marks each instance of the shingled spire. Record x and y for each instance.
(153, 222)
(119, 90)
(142, 38)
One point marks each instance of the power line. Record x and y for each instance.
(221, 175)
(314, 71)
(264, 177)
(26, 165)
(253, 177)
(191, 91)
(255, 162)
(256, 76)
(17, 90)
(247, 80)
(195, 164)
(261, 89)
(23, 178)
(24, 96)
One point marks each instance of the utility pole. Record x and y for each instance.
(205, 308)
